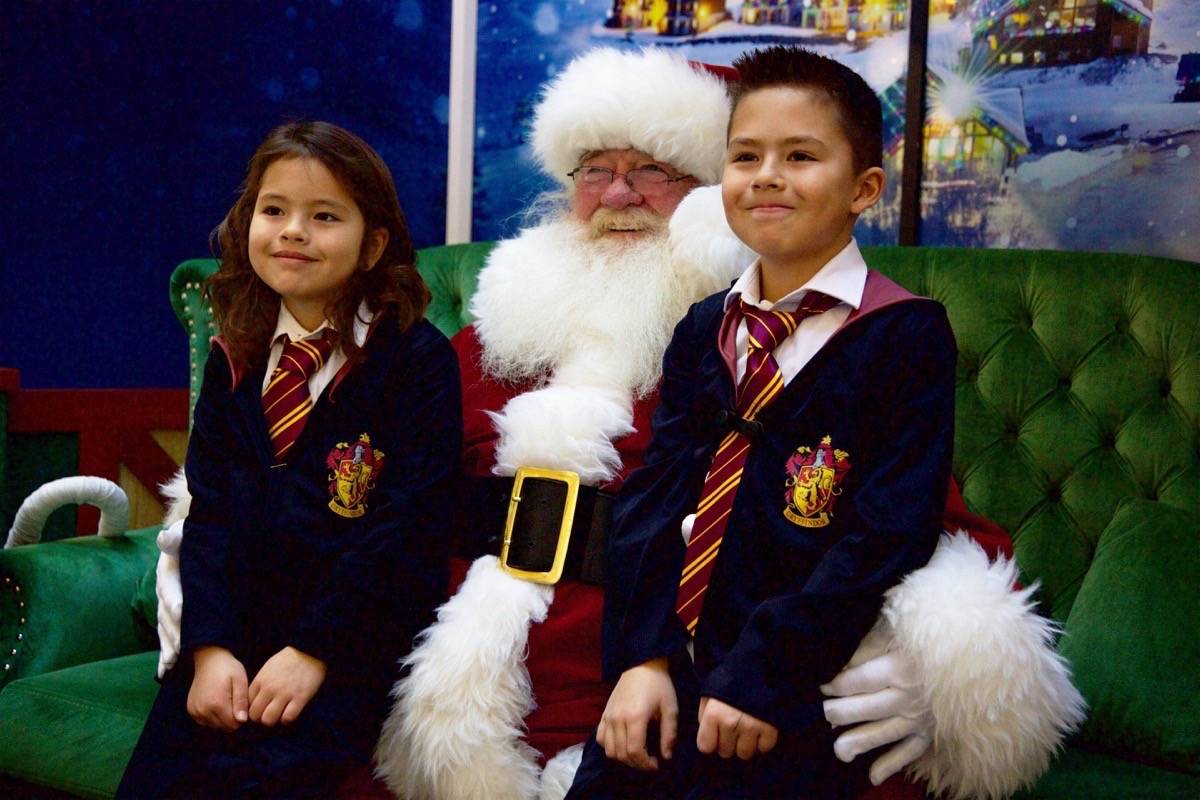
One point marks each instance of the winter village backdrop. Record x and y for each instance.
(1066, 124)
(1063, 124)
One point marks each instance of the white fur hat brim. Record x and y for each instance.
(653, 101)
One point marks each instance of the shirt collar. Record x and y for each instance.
(287, 325)
(844, 276)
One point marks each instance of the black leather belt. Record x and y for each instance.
(556, 530)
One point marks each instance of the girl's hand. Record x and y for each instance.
(727, 731)
(284, 685)
(642, 694)
(217, 698)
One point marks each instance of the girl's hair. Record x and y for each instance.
(246, 309)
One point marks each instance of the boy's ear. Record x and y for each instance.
(374, 244)
(869, 189)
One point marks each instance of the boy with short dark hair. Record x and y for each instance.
(803, 444)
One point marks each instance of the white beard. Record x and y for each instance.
(592, 308)
(587, 318)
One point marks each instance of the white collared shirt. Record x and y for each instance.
(843, 277)
(289, 327)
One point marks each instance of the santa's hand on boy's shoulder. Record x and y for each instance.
(218, 695)
(642, 694)
(728, 731)
(879, 693)
(284, 685)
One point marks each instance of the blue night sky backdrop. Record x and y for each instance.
(127, 129)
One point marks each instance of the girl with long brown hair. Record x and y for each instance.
(323, 444)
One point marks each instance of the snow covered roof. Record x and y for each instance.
(1004, 107)
(987, 10)
(1137, 6)
(1001, 107)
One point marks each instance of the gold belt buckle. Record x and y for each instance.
(552, 575)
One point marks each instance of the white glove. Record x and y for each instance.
(169, 589)
(880, 693)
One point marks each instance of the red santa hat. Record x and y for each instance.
(654, 101)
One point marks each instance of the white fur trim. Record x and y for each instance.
(521, 278)
(1001, 696)
(653, 101)
(564, 427)
(179, 501)
(572, 421)
(455, 731)
(559, 772)
(703, 246)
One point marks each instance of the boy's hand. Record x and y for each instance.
(643, 693)
(217, 698)
(284, 685)
(726, 731)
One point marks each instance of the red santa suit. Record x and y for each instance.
(564, 650)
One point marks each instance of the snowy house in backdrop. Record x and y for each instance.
(973, 137)
(793, 13)
(667, 17)
(835, 17)
(767, 12)
(1020, 33)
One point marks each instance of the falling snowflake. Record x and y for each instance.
(408, 15)
(441, 109)
(545, 21)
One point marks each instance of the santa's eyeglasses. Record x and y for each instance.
(647, 180)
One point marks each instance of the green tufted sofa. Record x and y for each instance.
(1078, 430)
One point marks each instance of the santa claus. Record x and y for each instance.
(559, 377)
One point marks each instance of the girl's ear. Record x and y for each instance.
(374, 244)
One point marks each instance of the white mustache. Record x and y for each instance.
(634, 219)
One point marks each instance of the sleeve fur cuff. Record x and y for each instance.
(1001, 695)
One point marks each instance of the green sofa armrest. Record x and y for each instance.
(69, 602)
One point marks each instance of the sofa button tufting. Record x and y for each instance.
(1164, 387)
(1121, 326)
(1065, 381)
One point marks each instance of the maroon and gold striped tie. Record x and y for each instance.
(760, 385)
(286, 401)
